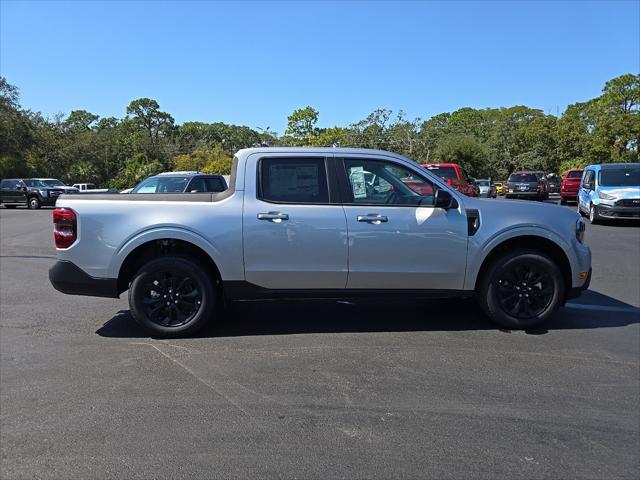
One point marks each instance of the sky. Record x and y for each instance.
(253, 63)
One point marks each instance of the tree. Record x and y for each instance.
(145, 114)
(465, 151)
(301, 126)
(81, 120)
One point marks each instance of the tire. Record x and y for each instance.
(10, 206)
(507, 277)
(33, 203)
(594, 217)
(563, 201)
(164, 279)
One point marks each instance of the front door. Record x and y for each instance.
(397, 239)
(585, 191)
(295, 231)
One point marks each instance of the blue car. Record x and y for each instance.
(610, 191)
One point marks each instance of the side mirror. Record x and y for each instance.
(443, 199)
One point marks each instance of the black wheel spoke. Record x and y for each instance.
(171, 299)
(524, 289)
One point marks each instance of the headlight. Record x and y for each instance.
(580, 228)
(606, 196)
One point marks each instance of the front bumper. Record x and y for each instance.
(67, 277)
(575, 292)
(609, 211)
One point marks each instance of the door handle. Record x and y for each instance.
(373, 218)
(273, 216)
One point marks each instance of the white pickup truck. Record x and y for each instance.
(321, 222)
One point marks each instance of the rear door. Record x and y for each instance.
(294, 228)
(397, 239)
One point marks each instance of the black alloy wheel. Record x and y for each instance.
(171, 299)
(173, 296)
(524, 290)
(521, 288)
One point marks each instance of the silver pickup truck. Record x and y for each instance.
(318, 222)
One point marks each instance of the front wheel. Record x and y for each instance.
(594, 216)
(172, 296)
(34, 203)
(521, 289)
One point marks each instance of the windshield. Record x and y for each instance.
(444, 172)
(162, 185)
(620, 177)
(484, 183)
(35, 183)
(575, 174)
(523, 177)
(52, 182)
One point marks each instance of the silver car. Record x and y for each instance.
(318, 222)
(486, 188)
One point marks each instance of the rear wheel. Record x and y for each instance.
(521, 289)
(33, 203)
(172, 296)
(563, 201)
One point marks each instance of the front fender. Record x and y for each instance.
(158, 233)
(480, 248)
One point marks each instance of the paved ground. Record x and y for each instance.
(321, 390)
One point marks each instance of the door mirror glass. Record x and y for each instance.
(443, 199)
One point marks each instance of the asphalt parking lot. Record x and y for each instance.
(317, 389)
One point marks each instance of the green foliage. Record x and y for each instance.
(464, 150)
(13, 167)
(301, 126)
(209, 160)
(487, 142)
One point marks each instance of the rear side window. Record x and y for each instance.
(9, 183)
(203, 184)
(293, 180)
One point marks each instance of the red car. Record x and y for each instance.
(570, 185)
(454, 175)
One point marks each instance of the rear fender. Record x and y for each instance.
(159, 233)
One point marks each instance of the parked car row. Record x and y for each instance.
(36, 192)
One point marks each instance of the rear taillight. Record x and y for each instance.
(65, 229)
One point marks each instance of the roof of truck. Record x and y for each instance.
(325, 150)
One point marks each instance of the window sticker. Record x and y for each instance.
(294, 179)
(356, 177)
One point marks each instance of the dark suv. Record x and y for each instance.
(182, 182)
(527, 185)
(32, 192)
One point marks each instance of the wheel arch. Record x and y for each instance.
(149, 245)
(540, 243)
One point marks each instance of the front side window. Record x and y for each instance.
(373, 182)
(293, 180)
